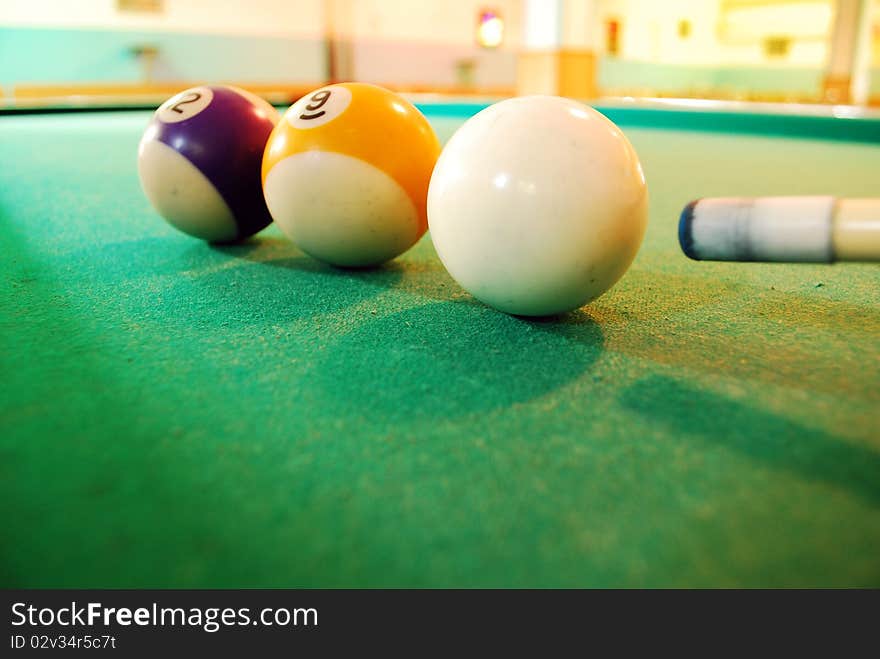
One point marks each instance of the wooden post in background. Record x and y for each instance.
(558, 56)
(847, 75)
(339, 37)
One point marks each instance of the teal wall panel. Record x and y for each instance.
(621, 74)
(39, 55)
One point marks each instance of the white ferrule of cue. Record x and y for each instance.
(783, 229)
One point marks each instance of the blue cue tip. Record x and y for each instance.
(685, 237)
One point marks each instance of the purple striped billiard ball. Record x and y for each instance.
(199, 162)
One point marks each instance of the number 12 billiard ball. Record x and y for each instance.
(199, 162)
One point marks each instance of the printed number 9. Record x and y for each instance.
(318, 99)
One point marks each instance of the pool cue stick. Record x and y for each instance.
(820, 229)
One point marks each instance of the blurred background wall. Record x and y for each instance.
(96, 41)
(732, 49)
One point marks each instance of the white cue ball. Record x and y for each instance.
(537, 205)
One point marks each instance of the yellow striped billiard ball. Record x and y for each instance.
(346, 173)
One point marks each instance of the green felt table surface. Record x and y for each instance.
(174, 414)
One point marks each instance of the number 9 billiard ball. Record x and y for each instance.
(199, 162)
(346, 174)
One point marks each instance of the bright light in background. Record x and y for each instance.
(500, 181)
(542, 24)
(490, 31)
